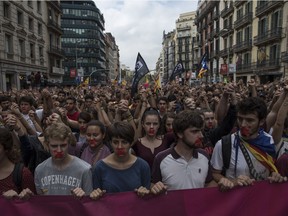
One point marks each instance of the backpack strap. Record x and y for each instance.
(226, 152)
(17, 176)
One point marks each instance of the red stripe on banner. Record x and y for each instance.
(260, 199)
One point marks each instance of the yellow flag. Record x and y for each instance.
(86, 82)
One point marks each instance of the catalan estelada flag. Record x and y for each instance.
(86, 82)
(157, 83)
(204, 66)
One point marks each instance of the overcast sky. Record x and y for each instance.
(138, 26)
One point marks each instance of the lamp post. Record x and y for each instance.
(76, 58)
(95, 72)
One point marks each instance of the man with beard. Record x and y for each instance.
(185, 165)
(252, 151)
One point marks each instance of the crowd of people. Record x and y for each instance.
(88, 141)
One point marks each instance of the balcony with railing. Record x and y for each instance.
(55, 5)
(284, 56)
(244, 20)
(268, 36)
(269, 64)
(9, 56)
(226, 11)
(245, 67)
(237, 3)
(226, 31)
(54, 50)
(243, 46)
(183, 28)
(215, 15)
(265, 6)
(54, 26)
(225, 52)
(197, 44)
(208, 8)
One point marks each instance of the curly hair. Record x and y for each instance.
(253, 105)
(59, 131)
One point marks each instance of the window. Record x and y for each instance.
(262, 26)
(239, 37)
(41, 55)
(40, 30)
(39, 9)
(41, 51)
(276, 20)
(8, 44)
(247, 33)
(30, 3)
(32, 51)
(274, 52)
(50, 14)
(31, 24)
(20, 18)
(21, 48)
(6, 8)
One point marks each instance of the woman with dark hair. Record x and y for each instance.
(166, 125)
(9, 164)
(83, 119)
(148, 146)
(94, 149)
(121, 171)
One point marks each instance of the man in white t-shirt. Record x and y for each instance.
(247, 146)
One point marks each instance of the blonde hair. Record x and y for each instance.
(59, 131)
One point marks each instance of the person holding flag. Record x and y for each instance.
(178, 70)
(141, 70)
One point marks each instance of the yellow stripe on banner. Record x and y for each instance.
(267, 159)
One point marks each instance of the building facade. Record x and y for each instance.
(26, 44)
(245, 39)
(83, 41)
(185, 31)
(112, 56)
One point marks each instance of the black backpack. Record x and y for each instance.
(226, 152)
(17, 176)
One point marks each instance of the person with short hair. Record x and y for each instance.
(62, 173)
(121, 171)
(252, 149)
(185, 165)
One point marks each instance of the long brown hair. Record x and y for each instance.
(11, 149)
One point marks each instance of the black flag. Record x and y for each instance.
(140, 70)
(179, 69)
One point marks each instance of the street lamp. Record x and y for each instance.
(95, 72)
